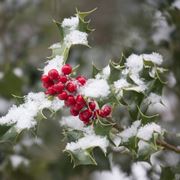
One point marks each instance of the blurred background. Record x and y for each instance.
(26, 32)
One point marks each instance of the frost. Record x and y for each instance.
(88, 141)
(115, 174)
(18, 72)
(146, 132)
(154, 57)
(176, 4)
(56, 104)
(55, 63)
(71, 23)
(104, 74)
(134, 63)
(130, 132)
(153, 99)
(55, 46)
(1, 75)
(76, 37)
(72, 122)
(142, 146)
(139, 170)
(17, 160)
(23, 116)
(95, 88)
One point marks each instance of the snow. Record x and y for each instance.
(55, 46)
(162, 29)
(88, 141)
(142, 146)
(18, 72)
(153, 99)
(105, 73)
(56, 104)
(130, 132)
(120, 84)
(134, 63)
(17, 160)
(156, 58)
(176, 4)
(95, 88)
(71, 23)
(76, 37)
(139, 170)
(4, 105)
(1, 75)
(146, 132)
(23, 116)
(115, 174)
(55, 63)
(72, 122)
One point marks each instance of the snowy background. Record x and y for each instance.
(131, 26)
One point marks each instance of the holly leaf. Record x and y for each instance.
(82, 157)
(73, 135)
(102, 128)
(83, 23)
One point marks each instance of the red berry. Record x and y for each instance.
(92, 106)
(78, 107)
(81, 80)
(63, 79)
(63, 95)
(47, 84)
(74, 112)
(53, 74)
(45, 78)
(59, 87)
(66, 69)
(71, 87)
(70, 101)
(85, 115)
(80, 100)
(51, 91)
(105, 111)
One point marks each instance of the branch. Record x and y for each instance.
(161, 143)
(168, 146)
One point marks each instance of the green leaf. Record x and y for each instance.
(82, 157)
(115, 72)
(73, 135)
(11, 84)
(102, 129)
(59, 28)
(4, 129)
(167, 174)
(84, 24)
(11, 134)
(95, 70)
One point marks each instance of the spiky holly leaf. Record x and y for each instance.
(95, 70)
(102, 128)
(4, 129)
(82, 157)
(83, 23)
(73, 135)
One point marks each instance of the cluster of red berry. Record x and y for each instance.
(65, 88)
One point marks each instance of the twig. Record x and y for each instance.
(168, 146)
(158, 141)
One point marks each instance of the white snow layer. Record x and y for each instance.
(76, 37)
(72, 122)
(23, 116)
(71, 23)
(17, 160)
(130, 132)
(55, 63)
(156, 58)
(88, 141)
(146, 132)
(95, 88)
(105, 73)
